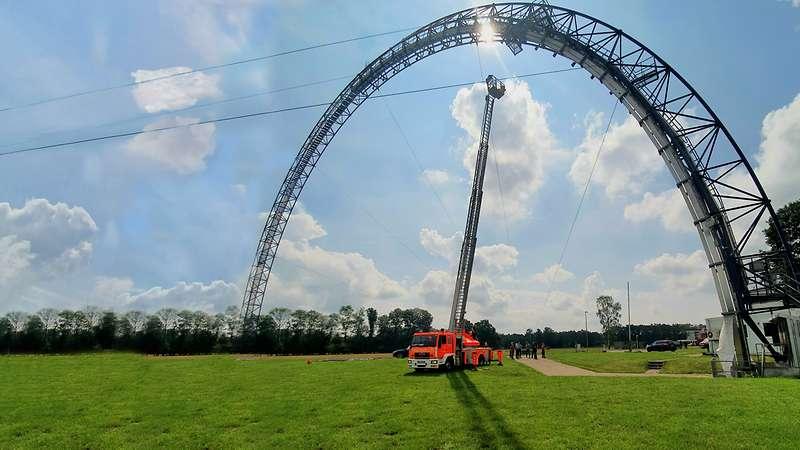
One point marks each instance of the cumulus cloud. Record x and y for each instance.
(312, 276)
(435, 177)
(627, 161)
(121, 294)
(15, 258)
(350, 273)
(214, 28)
(437, 245)
(57, 234)
(302, 226)
(183, 150)
(678, 271)
(214, 296)
(668, 207)
(521, 145)
(175, 92)
(436, 286)
(778, 158)
(496, 257)
(553, 274)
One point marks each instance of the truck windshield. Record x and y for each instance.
(423, 341)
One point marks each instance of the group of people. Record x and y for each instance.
(519, 350)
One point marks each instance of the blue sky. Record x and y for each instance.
(172, 219)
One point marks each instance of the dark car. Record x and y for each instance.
(401, 353)
(662, 346)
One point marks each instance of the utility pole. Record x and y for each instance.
(629, 317)
(586, 327)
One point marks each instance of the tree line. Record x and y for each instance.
(281, 331)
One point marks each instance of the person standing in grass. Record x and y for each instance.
(519, 350)
(543, 347)
(511, 351)
(533, 349)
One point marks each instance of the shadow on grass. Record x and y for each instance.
(491, 427)
(425, 373)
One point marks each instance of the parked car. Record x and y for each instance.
(400, 353)
(662, 346)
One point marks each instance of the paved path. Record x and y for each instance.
(556, 369)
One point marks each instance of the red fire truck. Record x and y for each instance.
(445, 349)
(456, 347)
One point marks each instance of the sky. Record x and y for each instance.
(172, 219)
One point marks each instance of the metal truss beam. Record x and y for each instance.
(725, 198)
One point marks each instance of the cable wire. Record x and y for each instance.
(583, 196)
(419, 164)
(180, 110)
(248, 115)
(202, 69)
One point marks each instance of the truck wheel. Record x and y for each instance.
(448, 365)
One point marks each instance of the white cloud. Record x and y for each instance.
(496, 257)
(627, 161)
(678, 272)
(15, 257)
(668, 207)
(312, 276)
(778, 158)
(183, 150)
(436, 286)
(435, 177)
(175, 92)
(57, 234)
(521, 144)
(111, 290)
(553, 274)
(214, 28)
(349, 276)
(302, 226)
(214, 296)
(438, 245)
(74, 257)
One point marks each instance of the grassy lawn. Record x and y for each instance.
(120, 400)
(690, 360)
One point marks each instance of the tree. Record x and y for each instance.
(789, 216)
(106, 331)
(281, 318)
(17, 320)
(136, 320)
(608, 312)
(486, 334)
(372, 317)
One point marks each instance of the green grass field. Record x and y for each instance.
(122, 400)
(690, 360)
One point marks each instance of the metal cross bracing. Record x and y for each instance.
(725, 198)
(496, 89)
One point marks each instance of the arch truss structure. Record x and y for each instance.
(727, 203)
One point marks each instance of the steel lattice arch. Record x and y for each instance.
(725, 198)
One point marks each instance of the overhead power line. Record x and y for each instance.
(201, 69)
(249, 115)
(180, 110)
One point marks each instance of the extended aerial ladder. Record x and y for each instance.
(456, 347)
(496, 90)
